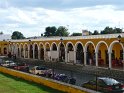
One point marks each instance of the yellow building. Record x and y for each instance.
(94, 50)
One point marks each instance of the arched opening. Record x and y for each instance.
(117, 56)
(36, 51)
(79, 54)
(41, 52)
(70, 53)
(26, 51)
(31, 51)
(61, 53)
(22, 54)
(47, 52)
(54, 52)
(103, 60)
(5, 50)
(90, 56)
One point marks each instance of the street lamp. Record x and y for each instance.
(61, 49)
(119, 40)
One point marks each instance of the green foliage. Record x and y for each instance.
(50, 31)
(1, 33)
(62, 31)
(76, 34)
(95, 32)
(110, 30)
(17, 35)
(53, 31)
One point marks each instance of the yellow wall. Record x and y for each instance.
(43, 81)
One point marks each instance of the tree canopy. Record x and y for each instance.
(110, 30)
(76, 34)
(53, 31)
(17, 35)
(50, 31)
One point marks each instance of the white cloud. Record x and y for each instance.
(34, 20)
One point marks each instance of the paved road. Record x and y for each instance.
(80, 77)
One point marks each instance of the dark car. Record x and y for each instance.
(61, 77)
(21, 67)
(104, 84)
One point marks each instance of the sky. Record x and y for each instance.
(31, 17)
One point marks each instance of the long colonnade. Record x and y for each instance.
(103, 52)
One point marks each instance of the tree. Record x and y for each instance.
(17, 35)
(1, 33)
(50, 31)
(110, 30)
(62, 31)
(95, 32)
(76, 34)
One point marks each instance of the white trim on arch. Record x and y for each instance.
(34, 46)
(111, 46)
(77, 45)
(46, 44)
(72, 45)
(98, 44)
(51, 47)
(89, 42)
(41, 44)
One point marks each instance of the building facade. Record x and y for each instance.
(95, 50)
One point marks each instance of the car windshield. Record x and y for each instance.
(41, 68)
(110, 81)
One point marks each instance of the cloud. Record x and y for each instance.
(33, 20)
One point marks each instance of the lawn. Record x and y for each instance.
(10, 84)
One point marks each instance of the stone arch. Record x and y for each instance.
(53, 46)
(61, 50)
(116, 51)
(26, 50)
(41, 50)
(47, 52)
(90, 53)
(102, 52)
(35, 49)
(79, 52)
(21, 50)
(70, 52)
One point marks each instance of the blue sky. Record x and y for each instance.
(32, 16)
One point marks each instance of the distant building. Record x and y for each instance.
(5, 37)
(85, 32)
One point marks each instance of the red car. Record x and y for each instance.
(21, 67)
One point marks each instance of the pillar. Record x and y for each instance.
(110, 60)
(39, 53)
(33, 52)
(74, 56)
(96, 55)
(66, 56)
(24, 52)
(85, 57)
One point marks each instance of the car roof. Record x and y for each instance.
(109, 81)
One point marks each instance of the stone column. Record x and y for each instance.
(96, 55)
(33, 52)
(24, 52)
(85, 57)
(66, 56)
(28, 52)
(39, 53)
(110, 59)
(74, 56)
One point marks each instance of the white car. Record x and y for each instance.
(8, 63)
(39, 70)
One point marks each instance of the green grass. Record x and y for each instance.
(10, 84)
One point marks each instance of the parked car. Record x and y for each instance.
(106, 85)
(61, 77)
(21, 67)
(40, 70)
(8, 63)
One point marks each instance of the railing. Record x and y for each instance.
(72, 37)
